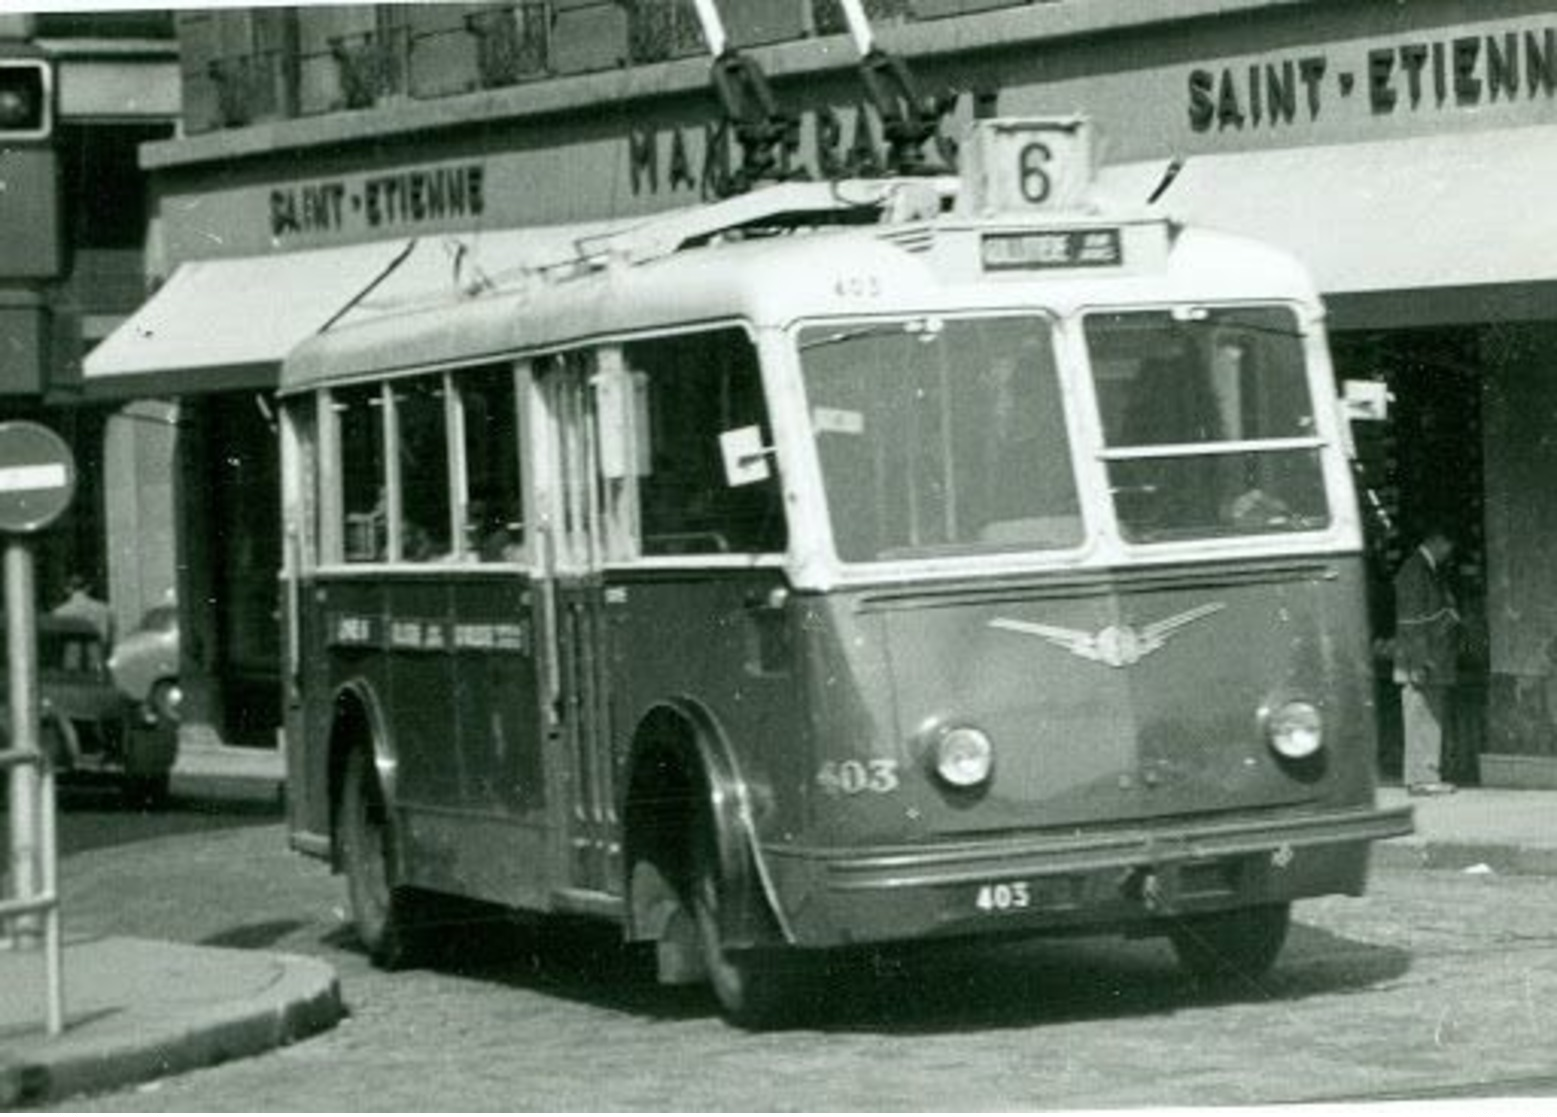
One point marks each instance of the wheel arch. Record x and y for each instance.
(681, 771)
(357, 720)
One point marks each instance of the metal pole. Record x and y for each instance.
(859, 26)
(21, 649)
(713, 27)
(53, 933)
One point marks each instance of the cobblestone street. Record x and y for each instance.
(1400, 992)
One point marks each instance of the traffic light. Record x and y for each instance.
(26, 99)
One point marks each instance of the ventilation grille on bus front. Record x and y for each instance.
(920, 239)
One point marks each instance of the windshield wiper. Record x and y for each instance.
(880, 329)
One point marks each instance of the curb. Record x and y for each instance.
(303, 1001)
(1505, 858)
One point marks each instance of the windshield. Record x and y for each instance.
(1208, 422)
(940, 436)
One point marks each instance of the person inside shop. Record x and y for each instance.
(80, 603)
(1427, 647)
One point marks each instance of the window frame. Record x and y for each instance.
(1321, 443)
(330, 554)
(624, 530)
(1075, 417)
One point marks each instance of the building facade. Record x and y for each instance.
(79, 94)
(329, 154)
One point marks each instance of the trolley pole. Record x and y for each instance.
(37, 481)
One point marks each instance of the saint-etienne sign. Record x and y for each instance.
(37, 478)
(1474, 68)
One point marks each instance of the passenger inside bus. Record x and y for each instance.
(1216, 384)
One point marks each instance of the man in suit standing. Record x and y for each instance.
(1427, 647)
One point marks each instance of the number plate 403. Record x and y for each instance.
(1012, 895)
(858, 777)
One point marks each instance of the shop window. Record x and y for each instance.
(422, 456)
(364, 502)
(696, 389)
(494, 529)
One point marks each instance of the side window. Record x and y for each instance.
(359, 414)
(422, 456)
(699, 387)
(494, 509)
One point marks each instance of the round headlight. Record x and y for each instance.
(1296, 730)
(166, 702)
(964, 757)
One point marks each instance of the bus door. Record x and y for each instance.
(582, 777)
(496, 614)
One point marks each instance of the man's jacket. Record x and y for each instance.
(1427, 624)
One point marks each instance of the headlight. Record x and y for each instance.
(964, 757)
(1296, 730)
(165, 704)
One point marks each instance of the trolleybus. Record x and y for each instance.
(839, 564)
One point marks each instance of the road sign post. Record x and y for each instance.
(37, 481)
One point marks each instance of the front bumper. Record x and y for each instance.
(1124, 879)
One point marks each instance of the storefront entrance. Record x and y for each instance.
(1422, 465)
(233, 555)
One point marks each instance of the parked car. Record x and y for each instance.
(144, 663)
(88, 724)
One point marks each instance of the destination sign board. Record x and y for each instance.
(1052, 248)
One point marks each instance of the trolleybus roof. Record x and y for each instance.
(805, 250)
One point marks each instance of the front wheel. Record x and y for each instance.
(389, 919)
(755, 989)
(1228, 945)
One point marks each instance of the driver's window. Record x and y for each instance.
(697, 388)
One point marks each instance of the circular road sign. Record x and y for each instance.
(37, 477)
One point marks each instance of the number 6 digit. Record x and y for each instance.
(1033, 172)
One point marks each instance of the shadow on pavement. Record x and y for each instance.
(949, 988)
(254, 936)
(1059, 981)
(575, 959)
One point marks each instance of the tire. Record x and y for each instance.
(389, 919)
(1231, 945)
(755, 989)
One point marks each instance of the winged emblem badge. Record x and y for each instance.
(1116, 645)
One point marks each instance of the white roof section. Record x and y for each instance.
(919, 267)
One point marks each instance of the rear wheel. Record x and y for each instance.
(1224, 946)
(390, 920)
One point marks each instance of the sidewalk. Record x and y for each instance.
(137, 1010)
(1507, 831)
(222, 772)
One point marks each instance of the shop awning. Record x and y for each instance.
(218, 325)
(221, 325)
(1423, 226)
